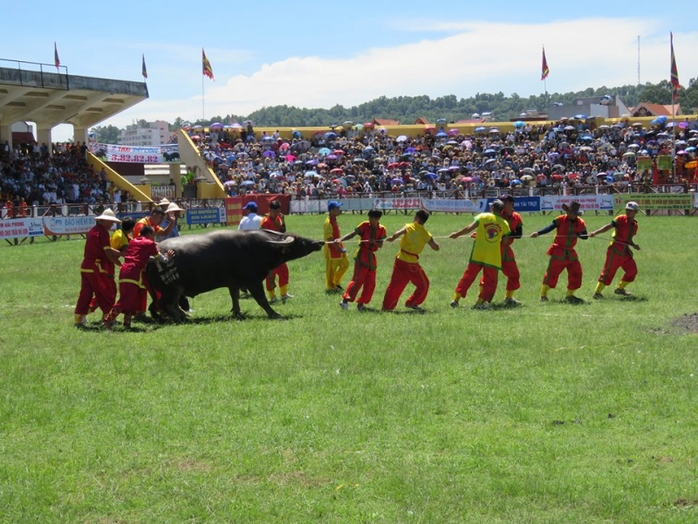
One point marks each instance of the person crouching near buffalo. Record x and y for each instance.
(131, 285)
(372, 235)
(406, 267)
(274, 221)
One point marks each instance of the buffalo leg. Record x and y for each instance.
(169, 304)
(235, 296)
(257, 291)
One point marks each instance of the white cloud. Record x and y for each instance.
(474, 57)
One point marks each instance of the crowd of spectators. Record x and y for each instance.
(365, 159)
(30, 176)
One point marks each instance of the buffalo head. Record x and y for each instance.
(292, 246)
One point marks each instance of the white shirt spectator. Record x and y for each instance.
(252, 222)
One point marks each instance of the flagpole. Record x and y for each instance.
(674, 87)
(545, 87)
(673, 139)
(203, 113)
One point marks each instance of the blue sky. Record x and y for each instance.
(318, 54)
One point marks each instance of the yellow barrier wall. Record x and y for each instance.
(189, 155)
(118, 180)
(416, 130)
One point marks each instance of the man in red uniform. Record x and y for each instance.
(372, 235)
(274, 221)
(509, 267)
(618, 254)
(407, 267)
(94, 269)
(119, 241)
(154, 220)
(569, 227)
(131, 285)
(486, 255)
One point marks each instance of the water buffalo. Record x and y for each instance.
(224, 258)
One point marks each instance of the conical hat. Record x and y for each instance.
(173, 207)
(109, 215)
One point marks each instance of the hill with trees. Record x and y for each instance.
(407, 109)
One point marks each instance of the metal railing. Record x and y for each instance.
(33, 74)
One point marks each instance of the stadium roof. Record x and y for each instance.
(30, 92)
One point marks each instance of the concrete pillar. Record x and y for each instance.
(175, 174)
(79, 134)
(6, 134)
(43, 136)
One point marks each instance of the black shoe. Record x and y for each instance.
(574, 300)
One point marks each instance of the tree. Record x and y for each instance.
(107, 134)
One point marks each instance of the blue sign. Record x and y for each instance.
(525, 204)
(203, 215)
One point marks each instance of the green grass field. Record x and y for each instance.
(548, 413)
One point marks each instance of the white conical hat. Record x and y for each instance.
(109, 215)
(173, 207)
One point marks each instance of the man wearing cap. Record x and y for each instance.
(569, 227)
(252, 221)
(619, 254)
(486, 255)
(274, 221)
(94, 269)
(336, 261)
(509, 267)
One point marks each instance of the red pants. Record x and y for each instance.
(510, 270)
(555, 267)
(93, 302)
(282, 273)
(614, 261)
(404, 272)
(363, 279)
(130, 298)
(154, 295)
(489, 280)
(99, 285)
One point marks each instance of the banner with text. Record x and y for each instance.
(588, 202)
(386, 204)
(21, 227)
(205, 215)
(135, 154)
(521, 204)
(655, 201)
(450, 206)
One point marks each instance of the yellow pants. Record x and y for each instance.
(334, 271)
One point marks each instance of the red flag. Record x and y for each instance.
(674, 72)
(546, 69)
(206, 65)
(56, 60)
(144, 71)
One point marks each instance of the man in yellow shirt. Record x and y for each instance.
(406, 267)
(336, 261)
(486, 255)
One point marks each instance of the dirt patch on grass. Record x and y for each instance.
(688, 323)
